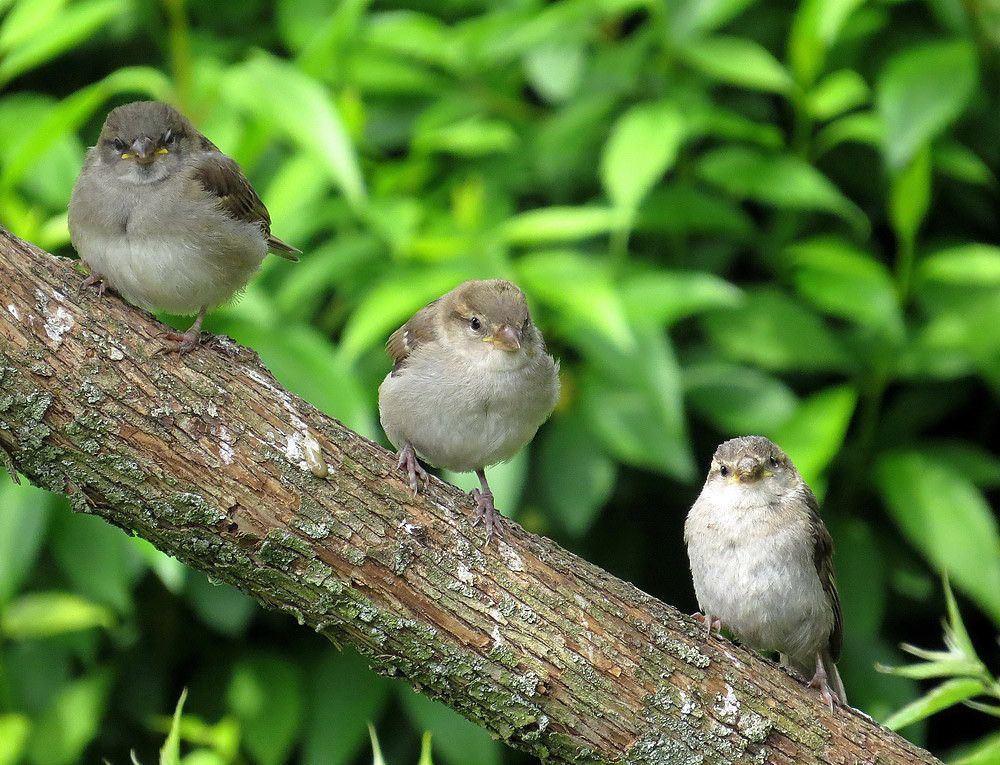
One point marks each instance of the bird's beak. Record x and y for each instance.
(749, 470)
(142, 150)
(506, 338)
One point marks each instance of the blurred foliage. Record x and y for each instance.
(730, 216)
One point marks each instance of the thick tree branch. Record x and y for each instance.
(210, 459)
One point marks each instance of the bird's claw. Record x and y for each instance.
(415, 473)
(91, 280)
(819, 680)
(179, 342)
(712, 624)
(487, 515)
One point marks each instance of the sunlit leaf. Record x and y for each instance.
(922, 90)
(44, 614)
(815, 28)
(276, 92)
(843, 280)
(664, 297)
(64, 729)
(776, 332)
(837, 93)
(945, 517)
(909, 196)
(738, 399)
(965, 264)
(548, 225)
(555, 70)
(642, 147)
(946, 695)
(14, 730)
(170, 752)
(575, 474)
(780, 180)
(24, 515)
(738, 61)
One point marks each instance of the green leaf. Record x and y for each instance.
(815, 29)
(64, 729)
(425, 750)
(555, 69)
(689, 18)
(96, 558)
(945, 517)
(986, 751)
(776, 332)
(276, 92)
(633, 402)
(66, 29)
(170, 752)
(266, 694)
(964, 264)
(738, 61)
(665, 297)
(920, 92)
(342, 695)
(377, 758)
(814, 434)
(14, 731)
(575, 475)
(946, 695)
(863, 128)
(843, 280)
(837, 93)
(737, 399)
(957, 161)
(581, 288)
(910, 196)
(681, 209)
(43, 614)
(456, 740)
(780, 180)
(643, 145)
(972, 462)
(220, 606)
(548, 225)
(24, 514)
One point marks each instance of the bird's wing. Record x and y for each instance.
(419, 330)
(823, 558)
(221, 177)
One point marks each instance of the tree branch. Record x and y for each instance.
(211, 460)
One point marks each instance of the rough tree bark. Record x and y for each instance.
(211, 460)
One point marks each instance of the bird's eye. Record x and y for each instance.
(475, 323)
(119, 145)
(723, 471)
(773, 461)
(168, 137)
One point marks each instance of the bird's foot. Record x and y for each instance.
(487, 514)
(819, 680)
(415, 473)
(180, 342)
(95, 280)
(712, 624)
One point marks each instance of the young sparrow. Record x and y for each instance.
(163, 217)
(761, 561)
(470, 385)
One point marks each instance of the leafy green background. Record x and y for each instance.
(730, 216)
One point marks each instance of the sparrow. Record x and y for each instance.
(161, 216)
(761, 560)
(471, 383)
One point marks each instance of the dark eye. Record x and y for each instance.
(723, 471)
(119, 145)
(168, 137)
(773, 461)
(475, 323)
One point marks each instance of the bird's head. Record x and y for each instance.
(752, 460)
(489, 319)
(145, 141)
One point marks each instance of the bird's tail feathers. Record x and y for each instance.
(282, 249)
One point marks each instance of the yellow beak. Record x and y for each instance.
(506, 338)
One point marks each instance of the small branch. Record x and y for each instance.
(211, 460)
